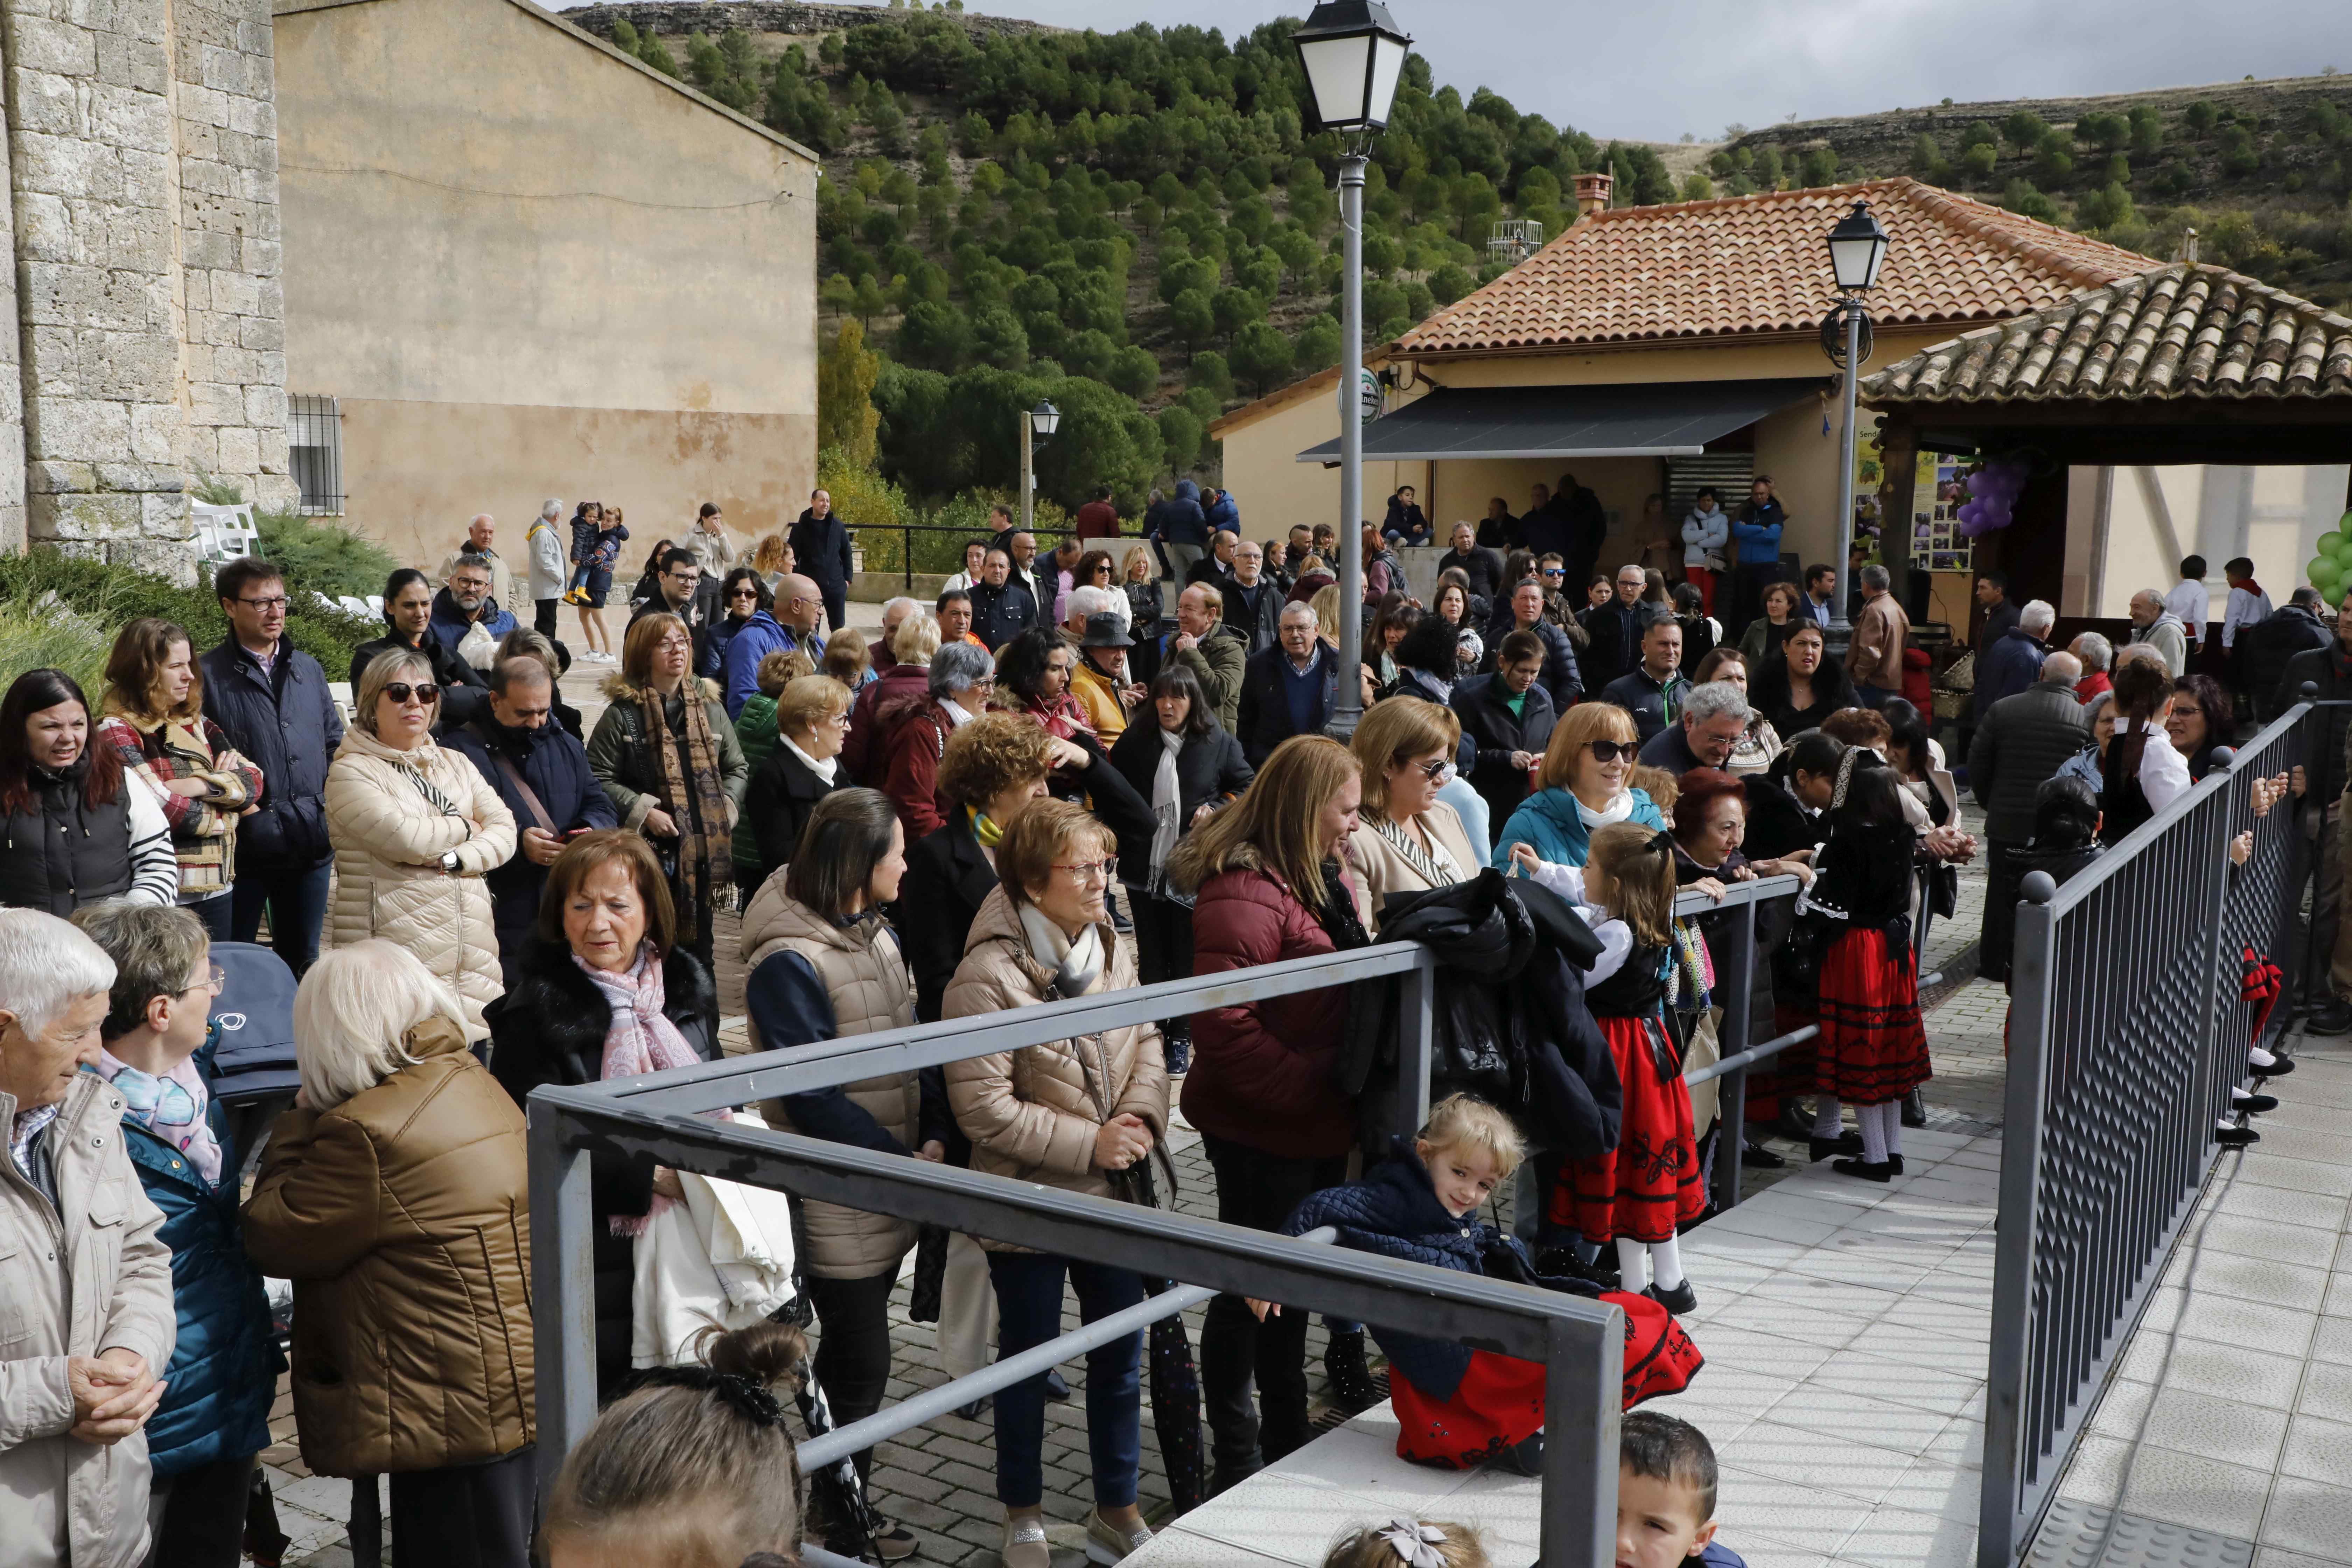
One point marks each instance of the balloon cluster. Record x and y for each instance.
(2331, 570)
(1993, 491)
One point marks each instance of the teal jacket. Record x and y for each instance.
(1548, 823)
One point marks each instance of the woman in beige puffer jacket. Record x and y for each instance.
(414, 829)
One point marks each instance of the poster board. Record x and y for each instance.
(1937, 491)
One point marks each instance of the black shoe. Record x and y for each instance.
(1915, 1109)
(1352, 1388)
(971, 1412)
(1844, 1143)
(1119, 923)
(1757, 1157)
(1883, 1171)
(1058, 1388)
(2254, 1104)
(894, 1542)
(2236, 1136)
(1224, 1477)
(1796, 1122)
(1894, 1164)
(2332, 1018)
(1523, 1458)
(1682, 1298)
(2280, 1066)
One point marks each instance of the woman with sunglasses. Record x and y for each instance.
(741, 637)
(1410, 840)
(415, 829)
(1582, 786)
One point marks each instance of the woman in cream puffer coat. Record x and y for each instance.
(414, 829)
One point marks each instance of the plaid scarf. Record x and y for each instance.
(693, 795)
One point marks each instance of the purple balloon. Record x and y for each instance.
(1969, 510)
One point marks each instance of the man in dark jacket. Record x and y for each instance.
(1509, 717)
(1498, 531)
(1218, 507)
(1002, 607)
(1654, 692)
(2018, 745)
(2013, 663)
(1570, 524)
(1615, 629)
(820, 542)
(677, 581)
(2319, 807)
(1480, 564)
(1180, 527)
(2265, 648)
(1563, 675)
(1287, 690)
(1253, 605)
(542, 773)
(1406, 523)
(272, 700)
(468, 602)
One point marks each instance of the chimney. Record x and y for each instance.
(1591, 194)
(2187, 250)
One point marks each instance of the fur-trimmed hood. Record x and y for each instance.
(617, 687)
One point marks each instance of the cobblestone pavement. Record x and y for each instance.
(940, 1480)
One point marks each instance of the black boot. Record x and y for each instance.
(1755, 1156)
(1844, 1143)
(2332, 1016)
(1352, 1389)
(1915, 1109)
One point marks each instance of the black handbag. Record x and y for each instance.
(1797, 965)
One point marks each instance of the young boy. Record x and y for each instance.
(1666, 1495)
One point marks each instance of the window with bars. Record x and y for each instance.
(314, 435)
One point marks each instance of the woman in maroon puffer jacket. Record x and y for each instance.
(1270, 884)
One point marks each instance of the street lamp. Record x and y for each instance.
(1038, 424)
(1353, 54)
(1857, 250)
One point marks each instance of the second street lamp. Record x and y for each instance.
(1038, 424)
(1857, 247)
(1353, 54)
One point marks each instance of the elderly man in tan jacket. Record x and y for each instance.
(85, 1280)
(1881, 632)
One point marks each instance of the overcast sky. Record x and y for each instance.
(1656, 69)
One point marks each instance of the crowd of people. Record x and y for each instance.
(974, 812)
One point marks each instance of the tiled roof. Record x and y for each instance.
(1760, 264)
(2182, 330)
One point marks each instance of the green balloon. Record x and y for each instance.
(2330, 542)
(2323, 573)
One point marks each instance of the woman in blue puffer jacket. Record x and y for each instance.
(206, 1436)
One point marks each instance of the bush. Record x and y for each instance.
(322, 556)
(43, 639)
(109, 595)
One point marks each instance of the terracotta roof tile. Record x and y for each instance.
(2182, 330)
(1759, 264)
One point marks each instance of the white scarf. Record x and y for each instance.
(957, 717)
(1617, 810)
(823, 770)
(1076, 965)
(1166, 804)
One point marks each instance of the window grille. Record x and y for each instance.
(314, 435)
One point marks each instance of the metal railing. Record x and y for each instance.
(2126, 1034)
(657, 1116)
(905, 533)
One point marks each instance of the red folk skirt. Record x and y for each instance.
(1873, 1046)
(1499, 1404)
(1644, 1189)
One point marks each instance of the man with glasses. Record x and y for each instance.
(1253, 605)
(541, 772)
(1287, 690)
(1714, 717)
(678, 585)
(271, 699)
(467, 603)
(1615, 629)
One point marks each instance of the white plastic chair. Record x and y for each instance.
(224, 532)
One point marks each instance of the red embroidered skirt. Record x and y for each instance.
(1873, 1046)
(1644, 1189)
(1499, 1402)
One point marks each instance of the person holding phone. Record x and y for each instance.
(540, 771)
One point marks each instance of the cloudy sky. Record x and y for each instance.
(1656, 69)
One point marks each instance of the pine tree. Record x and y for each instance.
(845, 415)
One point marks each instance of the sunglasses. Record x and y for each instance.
(1610, 750)
(1555, 572)
(401, 692)
(1439, 772)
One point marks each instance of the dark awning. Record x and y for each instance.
(1642, 419)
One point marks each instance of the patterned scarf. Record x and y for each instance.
(639, 1039)
(27, 1127)
(984, 830)
(172, 1105)
(694, 795)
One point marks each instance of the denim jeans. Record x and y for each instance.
(217, 912)
(853, 1349)
(1260, 1190)
(1028, 1313)
(297, 908)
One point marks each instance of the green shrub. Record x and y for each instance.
(42, 640)
(322, 556)
(110, 596)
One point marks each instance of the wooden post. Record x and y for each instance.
(1898, 468)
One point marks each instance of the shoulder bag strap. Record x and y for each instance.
(514, 776)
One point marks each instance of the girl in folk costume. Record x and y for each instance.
(1873, 1048)
(1651, 968)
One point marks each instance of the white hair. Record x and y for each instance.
(901, 603)
(1088, 602)
(552, 507)
(1716, 700)
(2141, 650)
(352, 1013)
(2037, 617)
(2062, 666)
(2096, 651)
(46, 966)
(958, 667)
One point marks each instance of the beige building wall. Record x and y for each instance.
(530, 266)
(2155, 515)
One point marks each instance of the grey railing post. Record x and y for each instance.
(2316, 842)
(562, 1288)
(2007, 1367)
(1416, 1044)
(1735, 977)
(1583, 1399)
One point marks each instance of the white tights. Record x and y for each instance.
(1665, 1259)
(1882, 1126)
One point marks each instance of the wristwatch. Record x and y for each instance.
(450, 862)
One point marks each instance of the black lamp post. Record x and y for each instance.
(1857, 250)
(1038, 424)
(1353, 54)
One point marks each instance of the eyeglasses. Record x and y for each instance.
(267, 606)
(841, 719)
(215, 979)
(745, 593)
(1610, 750)
(1090, 871)
(676, 644)
(401, 692)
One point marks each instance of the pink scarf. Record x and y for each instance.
(640, 1039)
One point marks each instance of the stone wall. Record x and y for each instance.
(142, 167)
